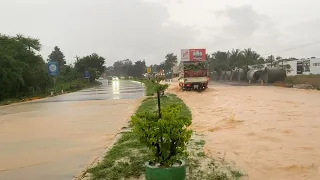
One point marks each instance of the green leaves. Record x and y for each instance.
(161, 87)
(57, 56)
(21, 70)
(195, 67)
(166, 137)
(91, 61)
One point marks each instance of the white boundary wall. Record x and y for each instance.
(310, 66)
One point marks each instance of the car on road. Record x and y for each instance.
(109, 78)
(115, 78)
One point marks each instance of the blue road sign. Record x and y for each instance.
(53, 69)
(86, 74)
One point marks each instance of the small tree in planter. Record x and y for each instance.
(167, 137)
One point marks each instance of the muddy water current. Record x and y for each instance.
(271, 133)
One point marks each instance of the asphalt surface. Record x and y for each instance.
(55, 138)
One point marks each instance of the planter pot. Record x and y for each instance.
(160, 173)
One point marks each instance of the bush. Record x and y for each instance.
(152, 87)
(166, 137)
(289, 80)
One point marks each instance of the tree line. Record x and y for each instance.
(243, 59)
(218, 61)
(137, 69)
(23, 72)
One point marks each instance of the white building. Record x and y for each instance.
(302, 66)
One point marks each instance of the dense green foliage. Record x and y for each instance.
(23, 72)
(137, 69)
(195, 67)
(93, 63)
(237, 59)
(166, 137)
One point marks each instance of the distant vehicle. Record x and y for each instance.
(109, 78)
(100, 78)
(115, 78)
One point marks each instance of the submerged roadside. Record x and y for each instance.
(125, 159)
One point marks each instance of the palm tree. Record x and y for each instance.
(236, 57)
(270, 60)
(220, 61)
(250, 58)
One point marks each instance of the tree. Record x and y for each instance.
(219, 62)
(93, 63)
(139, 68)
(57, 56)
(236, 58)
(270, 60)
(29, 42)
(22, 72)
(170, 61)
(250, 58)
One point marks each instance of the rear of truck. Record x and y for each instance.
(194, 75)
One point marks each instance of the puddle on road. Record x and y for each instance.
(269, 132)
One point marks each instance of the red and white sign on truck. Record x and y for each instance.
(193, 55)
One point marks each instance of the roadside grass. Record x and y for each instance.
(313, 80)
(149, 85)
(126, 158)
(201, 167)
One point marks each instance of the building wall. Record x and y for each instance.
(315, 66)
(310, 66)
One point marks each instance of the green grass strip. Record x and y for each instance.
(127, 157)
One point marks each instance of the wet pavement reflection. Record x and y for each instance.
(55, 138)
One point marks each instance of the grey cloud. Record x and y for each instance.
(116, 29)
(243, 28)
(244, 21)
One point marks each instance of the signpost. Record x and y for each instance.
(86, 75)
(53, 71)
(149, 70)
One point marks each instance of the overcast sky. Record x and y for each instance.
(148, 29)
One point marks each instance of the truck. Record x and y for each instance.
(194, 75)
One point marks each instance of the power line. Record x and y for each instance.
(297, 47)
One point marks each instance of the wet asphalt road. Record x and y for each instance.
(55, 138)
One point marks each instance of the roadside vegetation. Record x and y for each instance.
(126, 159)
(307, 81)
(24, 73)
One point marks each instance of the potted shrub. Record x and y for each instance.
(167, 137)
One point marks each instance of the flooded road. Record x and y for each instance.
(271, 133)
(55, 138)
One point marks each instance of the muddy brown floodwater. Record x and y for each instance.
(271, 133)
(55, 138)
